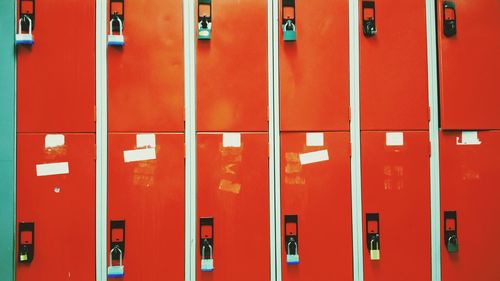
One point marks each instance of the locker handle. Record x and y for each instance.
(117, 239)
(368, 16)
(204, 19)
(450, 231)
(373, 234)
(291, 240)
(288, 21)
(207, 244)
(449, 19)
(26, 242)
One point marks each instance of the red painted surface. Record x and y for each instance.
(469, 186)
(393, 68)
(231, 68)
(320, 195)
(233, 188)
(56, 76)
(314, 70)
(61, 206)
(396, 185)
(146, 76)
(149, 196)
(469, 63)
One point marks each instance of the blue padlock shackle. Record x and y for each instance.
(289, 23)
(296, 248)
(203, 251)
(111, 255)
(24, 17)
(111, 25)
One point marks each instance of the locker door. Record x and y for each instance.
(55, 207)
(56, 76)
(314, 69)
(231, 67)
(396, 205)
(316, 190)
(146, 75)
(469, 63)
(469, 198)
(393, 65)
(146, 205)
(233, 207)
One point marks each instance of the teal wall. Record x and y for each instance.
(7, 138)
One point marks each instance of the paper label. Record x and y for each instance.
(54, 141)
(139, 155)
(145, 140)
(469, 138)
(51, 169)
(315, 139)
(313, 157)
(231, 140)
(394, 139)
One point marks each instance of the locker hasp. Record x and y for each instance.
(292, 239)
(368, 16)
(449, 19)
(206, 244)
(24, 35)
(450, 231)
(288, 21)
(373, 235)
(117, 238)
(26, 242)
(204, 19)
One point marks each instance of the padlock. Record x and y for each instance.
(452, 244)
(374, 253)
(116, 40)
(289, 33)
(25, 38)
(204, 30)
(207, 265)
(115, 271)
(290, 257)
(23, 257)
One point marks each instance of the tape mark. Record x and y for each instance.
(51, 169)
(469, 138)
(229, 186)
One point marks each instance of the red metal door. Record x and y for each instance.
(469, 63)
(314, 69)
(318, 193)
(396, 205)
(393, 65)
(148, 195)
(146, 75)
(56, 192)
(233, 190)
(56, 76)
(231, 68)
(469, 187)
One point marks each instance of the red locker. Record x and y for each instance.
(314, 69)
(396, 205)
(146, 75)
(310, 190)
(469, 63)
(55, 208)
(393, 65)
(56, 76)
(147, 197)
(469, 200)
(231, 68)
(233, 207)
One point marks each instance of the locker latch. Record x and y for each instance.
(26, 242)
(116, 23)
(24, 36)
(117, 238)
(292, 239)
(207, 244)
(204, 19)
(373, 235)
(368, 13)
(288, 20)
(449, 18)
(450, 231)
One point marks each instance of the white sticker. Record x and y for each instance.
(54, 141)
(313, 157)
(231, 139)
(469, 138)
(145, 140)
(394, 139)
(315, 139)
(139, 155)
(61, 168)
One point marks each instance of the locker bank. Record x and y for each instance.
(224, 140)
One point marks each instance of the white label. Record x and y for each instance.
(315, 139)
(394, 139)
(231, 140)
(139, 155)
(313, 157)
(145, 140)
(54, 141)
(51, 169)
(469, 138)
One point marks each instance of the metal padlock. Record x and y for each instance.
(115, 271)
(23, 257)
(452, 244)
(292, 258)
(289, 33)
(25, 38)
(204, 30)
(374, 253)
(116, 40)
(207, 265)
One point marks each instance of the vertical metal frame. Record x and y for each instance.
(432, 71)
(357, 229)
(101, 140)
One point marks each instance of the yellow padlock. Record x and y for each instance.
(374, 253)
